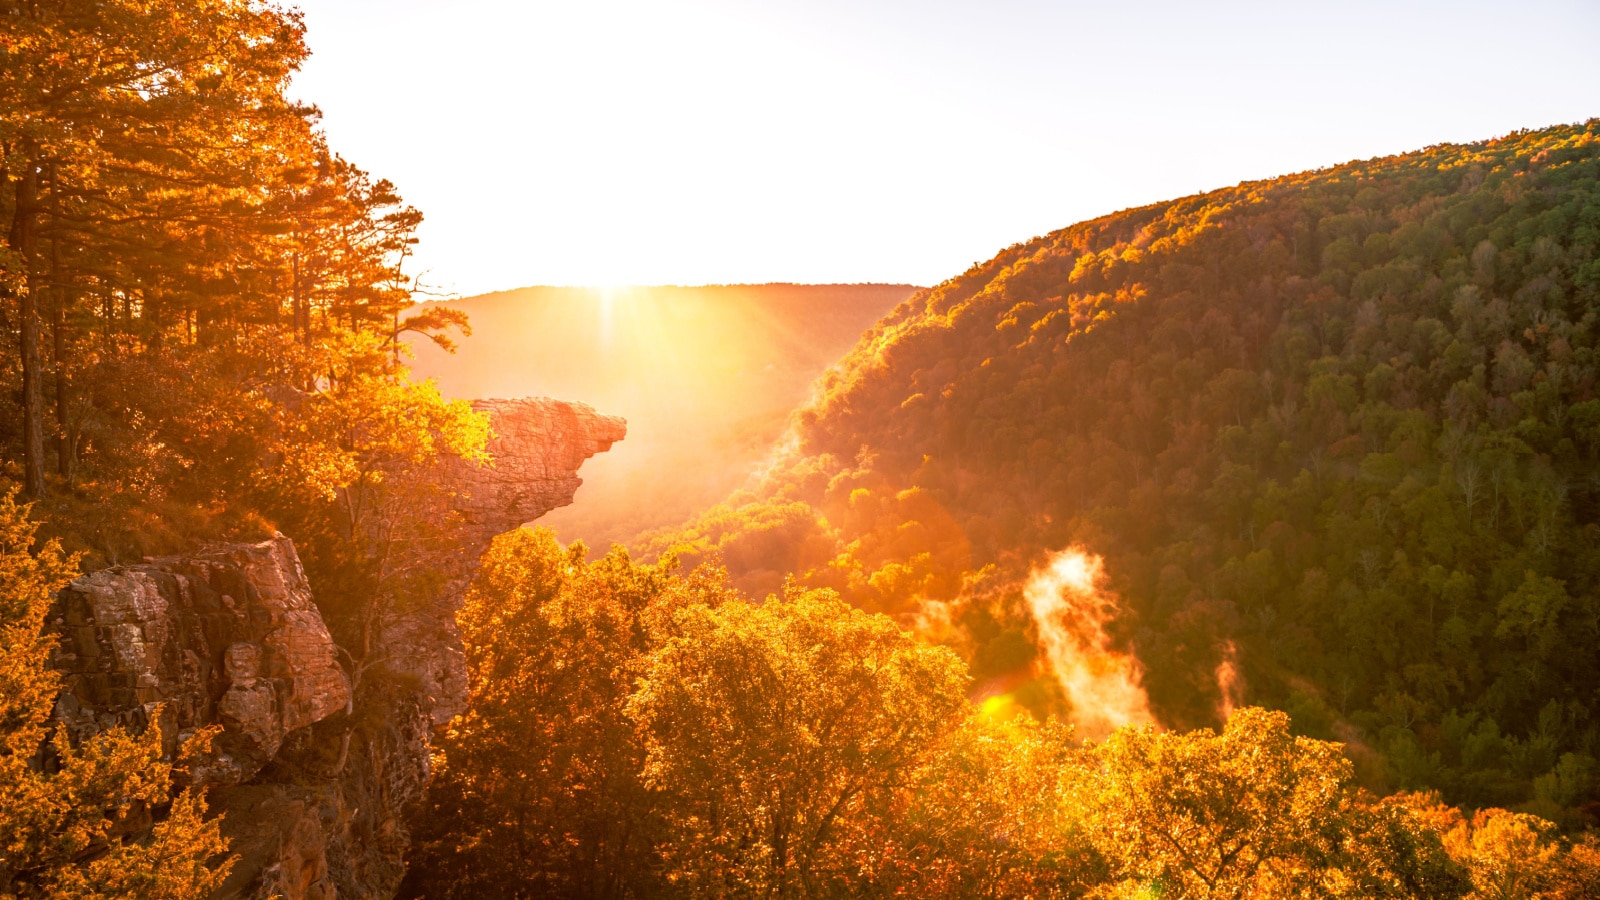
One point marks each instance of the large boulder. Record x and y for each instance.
(229, 636)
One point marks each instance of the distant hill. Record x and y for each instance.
(1335, 434)
(705, 376)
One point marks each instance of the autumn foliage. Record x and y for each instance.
(637, 732)
(201, 306)
(73, 819)
(1334, 436)
(1333, 433)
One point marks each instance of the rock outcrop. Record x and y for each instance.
(229, 636)
(537, 447)
(315, 766)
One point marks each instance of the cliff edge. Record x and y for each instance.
(537, 446)
(315, 766)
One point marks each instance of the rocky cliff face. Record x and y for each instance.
(537, 447)
(228, 636)
(314, 770)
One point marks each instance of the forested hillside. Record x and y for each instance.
(1336, 436)
(1327, 443)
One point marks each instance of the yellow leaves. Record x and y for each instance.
(1013, 808)
(367, 424)
(1086, 266)
(543, 775)
(1018, 312)
(1048, 319)
(28, 582)
(1509, 856)
(375, 418)
(779, 723)
(89, 802)
(1208, 810)
(177, 862)
(995, 812)
(899, 584)
(800, 747)
(319, 469)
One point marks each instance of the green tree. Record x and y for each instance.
(539, 790)
(1343, 422)
(1255, 812)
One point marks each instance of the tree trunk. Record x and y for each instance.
(66, 439)
(302, 308)
(24, 241)
(66, 444)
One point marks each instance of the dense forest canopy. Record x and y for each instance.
(640, 732)
(1338, 432)
(203, 301)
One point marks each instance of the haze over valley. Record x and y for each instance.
(1067, 450)
(705, 376)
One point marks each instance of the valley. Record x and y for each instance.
(705, 376)
(1239, 545)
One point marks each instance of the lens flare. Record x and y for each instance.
(1070, 610)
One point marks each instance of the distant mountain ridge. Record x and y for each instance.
(1337, 431)
(706, 377)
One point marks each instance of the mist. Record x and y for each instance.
(1070, 608)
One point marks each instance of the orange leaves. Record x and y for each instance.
(61, 825)
(775, 731)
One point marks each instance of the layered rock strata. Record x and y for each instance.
(314, 770)
(229, 636)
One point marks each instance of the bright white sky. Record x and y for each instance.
(712, 141)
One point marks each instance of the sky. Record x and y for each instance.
(612, 142)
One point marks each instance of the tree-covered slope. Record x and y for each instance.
(1341, 426)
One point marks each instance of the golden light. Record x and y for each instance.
(706, 378)
(1071, 611)
(608, 295)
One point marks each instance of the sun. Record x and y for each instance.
(609, 294)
